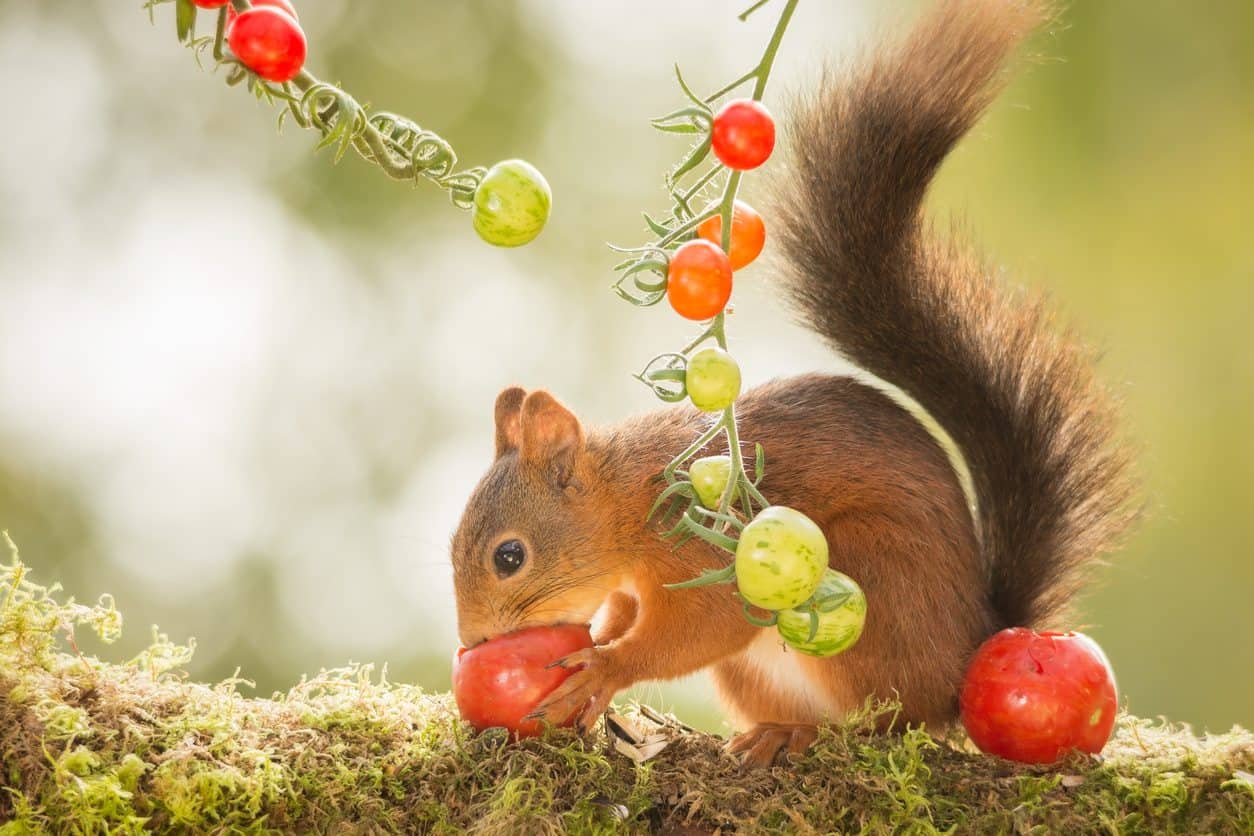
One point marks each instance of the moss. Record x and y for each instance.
(88, 746)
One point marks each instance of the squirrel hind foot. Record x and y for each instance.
(767, 744)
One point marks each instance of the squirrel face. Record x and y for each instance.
(528, 550)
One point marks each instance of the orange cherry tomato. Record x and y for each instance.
(747, 238)
(699, 280)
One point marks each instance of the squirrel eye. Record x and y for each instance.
(509, 557)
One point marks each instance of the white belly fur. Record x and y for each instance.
(783, 670)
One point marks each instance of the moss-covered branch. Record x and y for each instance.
(93, 747)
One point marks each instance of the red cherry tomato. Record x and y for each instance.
(747, 238)
(501, 681)
(743, 134)
(268, 42)
(210, 4)
(699, 280)
(1033, 697)
(281, 5)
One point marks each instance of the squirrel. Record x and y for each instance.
(556, 531)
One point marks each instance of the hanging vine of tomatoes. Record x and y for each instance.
(261, 45)
(781, 555)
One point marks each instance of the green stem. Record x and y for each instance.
(704, 439)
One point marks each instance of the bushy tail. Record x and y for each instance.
(1016, 392)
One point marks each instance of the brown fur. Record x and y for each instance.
(1017, 395)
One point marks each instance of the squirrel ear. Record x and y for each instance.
(509, 419)
(551, 436)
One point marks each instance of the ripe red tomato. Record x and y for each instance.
(281, 5)
(743, 134)
(500, 682)
(268, 42)
(698, 280)
(210, 4)
(747, 238)
(1033, 697)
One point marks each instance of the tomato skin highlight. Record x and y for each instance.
(1033, 697)
(499, 682)
(512, 204)
(748, 234)
(698, 280)
(269, 42)
(780, 558)
(743, 134)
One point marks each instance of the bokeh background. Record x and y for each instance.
(248, 391)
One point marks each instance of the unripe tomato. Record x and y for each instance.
(743, 134)
(268, 42)
(698, 280)
(780, 558)
(712, 380)
(281, 5)
(709, 477)
(1033, 697)
(840, 622)
(501, 681)
(512, 204)
(747, 238)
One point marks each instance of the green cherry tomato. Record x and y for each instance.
(709, 477)
(780, 559)
(512, 204)
(712, 380)
(841, 610)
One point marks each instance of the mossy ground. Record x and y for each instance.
(92, 747)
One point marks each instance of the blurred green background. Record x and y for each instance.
(248, 392)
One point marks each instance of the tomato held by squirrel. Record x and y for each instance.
(499, 682)
(269, 42)
(867, 272)
(1034, 697)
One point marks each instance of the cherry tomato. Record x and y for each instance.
(841, 609)
(210, 4)
(512, 204)
(501, 681)
(780, 558)
(709, 477)
(268, 42)
(712, 380)
(747, 238)
(1033, 697)
(743, 134)
(698, 280)
(281, 5)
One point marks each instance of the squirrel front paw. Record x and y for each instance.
(586, 694)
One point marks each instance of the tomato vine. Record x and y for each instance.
(401, 148)
(784, 542)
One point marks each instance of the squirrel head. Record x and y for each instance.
(531, 548)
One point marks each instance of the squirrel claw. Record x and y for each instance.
(584, 696)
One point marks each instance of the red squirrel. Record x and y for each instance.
(556, 531)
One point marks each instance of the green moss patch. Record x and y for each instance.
(88, 746)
